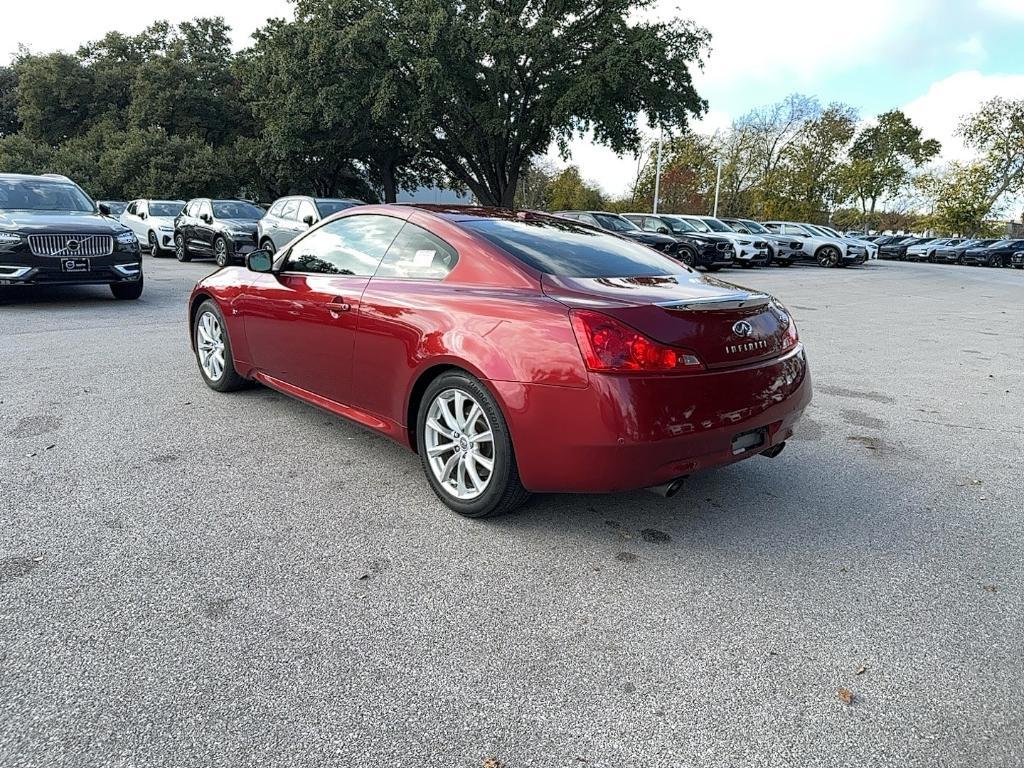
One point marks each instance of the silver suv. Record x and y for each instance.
(289, 217)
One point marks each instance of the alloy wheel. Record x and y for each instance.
(154, 250)
(210, 345)
(220, 249)
(828, 256)
(180, 251)
(459, 444)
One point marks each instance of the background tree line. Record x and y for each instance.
(350, 97)
(804, 161)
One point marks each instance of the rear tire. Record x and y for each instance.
(127, 291)
(181, 249)
(268, 245)
(459, 430)
(212, 347)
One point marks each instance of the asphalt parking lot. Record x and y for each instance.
(196, 579)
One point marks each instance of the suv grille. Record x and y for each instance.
(71, 245)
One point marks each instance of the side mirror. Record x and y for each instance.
(308, 220)
(261, 261)
(207, 218)
(143, 215)
(104, 209)
(663, 231)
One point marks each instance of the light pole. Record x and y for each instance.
(657, 173)
(718, 183)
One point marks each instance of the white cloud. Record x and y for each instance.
(939, 110)
(972, 47)
(1013, 8)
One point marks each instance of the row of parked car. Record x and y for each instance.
(987, 252)
(226, 230)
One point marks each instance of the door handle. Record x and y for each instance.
(337, 305)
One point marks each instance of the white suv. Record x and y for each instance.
(152, 221)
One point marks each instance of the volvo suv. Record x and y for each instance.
(52, 233)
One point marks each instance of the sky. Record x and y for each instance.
(935, 59)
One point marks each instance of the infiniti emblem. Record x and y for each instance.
(743, 328)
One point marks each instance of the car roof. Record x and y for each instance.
(54, 177)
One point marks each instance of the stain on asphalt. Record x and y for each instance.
(654, 536)
(16, 566)
(628, 687)
(114, 523)
(807, 429)
(871, 443)
(876, 397)
(218, 607)
(860, 419)
(626, 557)
(165, 458)
(34, 426)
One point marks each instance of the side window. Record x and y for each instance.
(276, 208)
(306, 209)
(131, 209)
(586, 218)
(140, 208)
(773, 228)
(192, 209)
(651, 224)
(290, 207)
(353, 246)
(205, 209)
(418, 255)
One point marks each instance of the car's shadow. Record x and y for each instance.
(60, 295)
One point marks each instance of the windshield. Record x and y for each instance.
(615, 223)
(327, 207)
(235, 209)
(165, 209)
(566, 249)
(678, 226)
(698, 224)
(815, 230)
(1000, 244)
(738, 226)
(832, 232)
(716, 225)
(754, 227)
(41, 195)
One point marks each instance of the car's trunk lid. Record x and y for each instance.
(724, 324)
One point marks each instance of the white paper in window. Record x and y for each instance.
(423, 258)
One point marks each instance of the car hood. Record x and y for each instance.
(42, 222)
(243, 225)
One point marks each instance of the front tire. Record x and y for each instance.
(220, 252)
(688, 257)
(828, 256)
(154, 246)
(268, 245)
(127, 291)
(213, 349)
(181, 249)
(465, 448)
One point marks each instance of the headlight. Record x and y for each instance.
(746, 242)
(9, 238)
(127, 238)
(239, 233)
(166, 228)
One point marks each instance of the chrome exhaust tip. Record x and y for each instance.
(775, 450)
(667, 490)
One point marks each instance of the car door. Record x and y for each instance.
(300, 321)
(307, 216)
(187, 224)
(203, 233)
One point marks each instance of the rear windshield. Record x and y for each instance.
(565, 249)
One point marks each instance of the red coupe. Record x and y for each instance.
(514, 352)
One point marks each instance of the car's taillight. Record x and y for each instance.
(610, 346)
(791, 337)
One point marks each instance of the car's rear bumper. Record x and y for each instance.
(626, 432)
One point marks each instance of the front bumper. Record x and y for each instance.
(627, 432)
(22, 268)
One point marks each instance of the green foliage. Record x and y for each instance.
(55, 97)
(996, 132)
(882, 156)
(8, 101)
(568, 191)
(961, 199)
(20, 154)
(489, 84)
(687, 177)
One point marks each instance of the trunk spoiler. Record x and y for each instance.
(734, 301)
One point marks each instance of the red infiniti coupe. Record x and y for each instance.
(514, 352)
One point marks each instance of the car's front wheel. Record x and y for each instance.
(465, 447)
(154, 246)
(828, 256)
(687, 256)
(220, 252)
(213, 349)
(268, 245)
(181, 249)
(995, 260)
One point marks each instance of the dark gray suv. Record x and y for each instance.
(289, 217)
